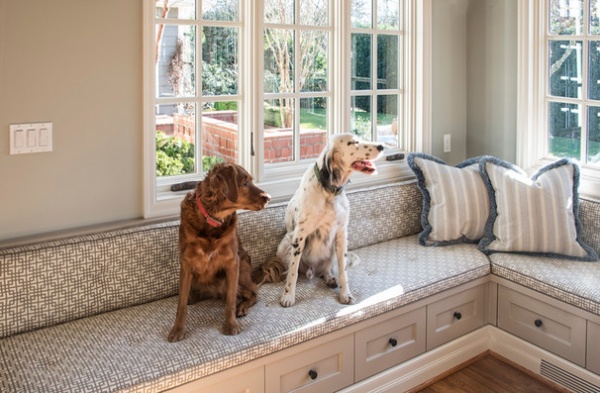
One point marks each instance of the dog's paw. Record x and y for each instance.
(331, 282)
(287, 299)
(242, 310)
(346, 298)
(176, 334)
(231, 328)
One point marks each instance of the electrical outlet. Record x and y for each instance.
(447, 143)
(30, 138)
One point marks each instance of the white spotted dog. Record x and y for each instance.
(316, 218)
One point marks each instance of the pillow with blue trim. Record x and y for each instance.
(455, 200)
(535, 215)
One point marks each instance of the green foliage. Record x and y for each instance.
(174, 156)
(209, 161)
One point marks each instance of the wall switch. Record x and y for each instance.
(447, 143)
(30, 138)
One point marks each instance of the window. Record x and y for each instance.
(559, 89)
(265, 83)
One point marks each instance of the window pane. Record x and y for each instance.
(279, 61)
(361, 61)
(564, 129)
(387, 119)
(314, 12)
(224, 10)
(219, 61)
(175, 62)
(565, 68)
(593, 156)
(388, 14)
(219, 133)
(313, 126)
(387, 62)
(279, 123)
(595, 17)
(175, 139)
(566, 17)
(360, 117)
(361, 13)
(175, 9)
(313, 72)
(594, 70)
(279, 11)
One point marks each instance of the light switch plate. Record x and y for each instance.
(30, 138)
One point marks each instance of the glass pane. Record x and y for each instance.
(566, 17)
(279, 61)
(279, 11)
(387, 62)
(219, 133)
(595, 17)
(314, 12)
(175, 139)
(361, 61)
(361, 13)
(175, 61)
(313, 126)
(388, 14)
(565, 68)
(313, 69)
(279, 123)
(564, 129)
(360, 116)
(219, 61)
(593, 156)
(224, 10)
(387, 119)
(175, 9)
(594, 70)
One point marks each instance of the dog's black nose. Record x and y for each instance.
(380, 147)
(265, 197)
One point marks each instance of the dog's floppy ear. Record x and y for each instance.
(228, 180)
(331, 171)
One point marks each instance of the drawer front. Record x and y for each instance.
(455, 316)
(544, 325)
(325, 368)
(389, 343)
(252, 381)
(593, 347)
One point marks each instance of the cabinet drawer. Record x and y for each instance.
(389, 343)
(593, 349)
(544, 325)
(455, 316)
(325, 368)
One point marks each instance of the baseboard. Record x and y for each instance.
(428, 366)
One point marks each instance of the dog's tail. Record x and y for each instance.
(272, 271)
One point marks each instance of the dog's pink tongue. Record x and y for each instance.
(364, 167)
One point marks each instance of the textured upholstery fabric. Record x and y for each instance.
(455, 200)
(127, 349)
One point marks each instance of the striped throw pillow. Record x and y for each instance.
(455, 200)
(535, 215)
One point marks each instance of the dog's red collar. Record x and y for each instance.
(211, 221)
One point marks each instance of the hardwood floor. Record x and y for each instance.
(492, 375)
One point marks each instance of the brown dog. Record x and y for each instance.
(213, 262)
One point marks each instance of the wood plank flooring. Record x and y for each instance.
(489, 375)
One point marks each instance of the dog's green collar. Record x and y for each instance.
(332, 189)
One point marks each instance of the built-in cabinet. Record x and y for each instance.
(340, 359)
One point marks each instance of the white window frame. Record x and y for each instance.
(533, 97)
(281, 181)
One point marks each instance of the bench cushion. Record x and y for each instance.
(127, 348)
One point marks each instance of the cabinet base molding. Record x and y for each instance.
(424, 368)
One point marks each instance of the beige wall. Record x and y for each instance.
(77, 64)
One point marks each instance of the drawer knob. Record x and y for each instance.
(393, 342)
(457, 315)
(313, 374)
(538, 322)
